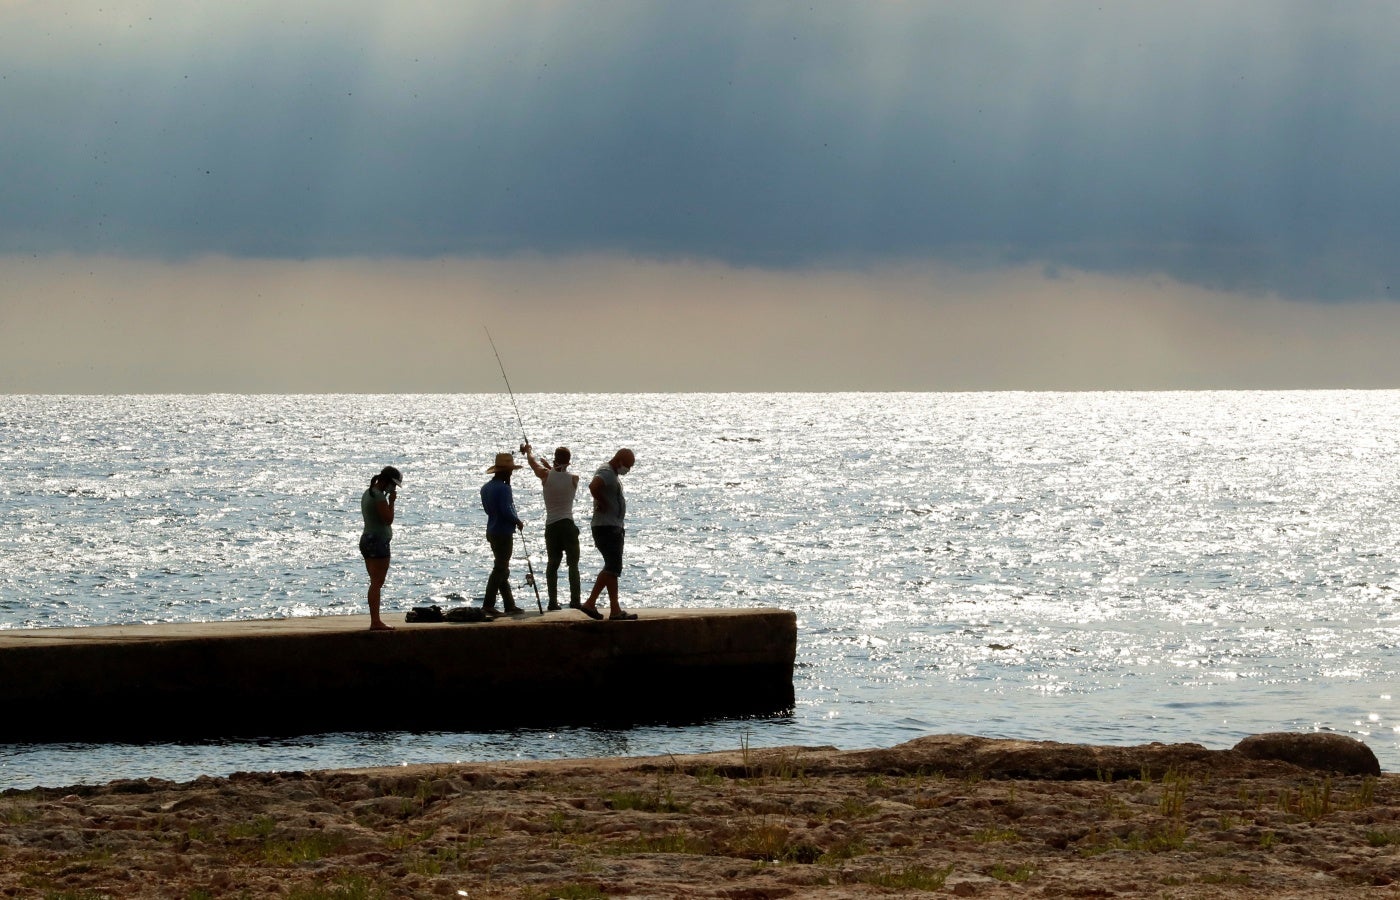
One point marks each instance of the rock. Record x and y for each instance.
(1313, 750)
(962, 756)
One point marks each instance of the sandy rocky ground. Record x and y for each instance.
(940, 816)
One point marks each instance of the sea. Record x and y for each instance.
(1114, 568)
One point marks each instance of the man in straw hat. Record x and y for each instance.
(501, 525)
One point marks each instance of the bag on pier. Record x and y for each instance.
(424, 614)
(465, 614)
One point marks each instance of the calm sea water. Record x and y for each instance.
(1102, 567)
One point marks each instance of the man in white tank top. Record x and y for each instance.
(560, 532)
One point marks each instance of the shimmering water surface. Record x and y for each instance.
(1102, 567)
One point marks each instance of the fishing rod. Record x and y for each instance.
(507, 381)
(523, 546)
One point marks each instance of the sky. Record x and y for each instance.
(644, 195)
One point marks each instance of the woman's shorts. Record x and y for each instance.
(608, 539)
(374, 546)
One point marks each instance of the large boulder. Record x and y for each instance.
(1313, 750)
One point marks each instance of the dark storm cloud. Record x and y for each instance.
(1243, 146)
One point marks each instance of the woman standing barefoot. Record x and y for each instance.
(377, 506)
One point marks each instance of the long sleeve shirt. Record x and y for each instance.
(499, 503)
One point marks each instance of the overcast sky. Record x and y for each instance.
(691, 196)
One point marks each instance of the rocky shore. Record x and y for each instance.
(1302, 816)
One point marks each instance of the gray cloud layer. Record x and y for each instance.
(1240, 146)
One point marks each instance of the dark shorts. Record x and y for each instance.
(608, 539)
(373, 546)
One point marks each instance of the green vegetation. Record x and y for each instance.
(1018, 875)
(1115, 808)
(199, 833)
(260, 827)
(285, 851)
(348, 887)
(707, 776)
(1171, 836)
(1317, 800)
(1365, 796)
(671, 842)
(853, 808)
(914, 878)
(849, 848)
(620, 800)
(1175, 787)
(17, 815)
(1388, 838)
(917, 779)
(761, 841)
(425, 865)
(659, 800)
(788, 766)
(994, 835)
(569, 892)
(403, 839)
(303, 849)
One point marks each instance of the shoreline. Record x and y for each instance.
(948, 814)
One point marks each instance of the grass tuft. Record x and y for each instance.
(350, 887)
(852, 808)
(849, 848)
(1018, 875)
(1175, 788)
(670, 842)
(572, 891)
(261, 827)
(913, 878)
(1170, 836)
(1313, 802)
(996, 835)
(17, 815)
(303, 849)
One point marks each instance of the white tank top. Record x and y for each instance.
(559, 491)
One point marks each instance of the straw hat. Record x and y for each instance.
(505, 462)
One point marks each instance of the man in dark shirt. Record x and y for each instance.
(501, 525)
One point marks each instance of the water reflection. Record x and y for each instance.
(1117, 567)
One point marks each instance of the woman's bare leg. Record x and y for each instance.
(378, 570)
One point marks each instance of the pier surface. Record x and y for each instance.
(331, 673)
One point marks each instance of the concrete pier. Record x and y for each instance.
(309, 675)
